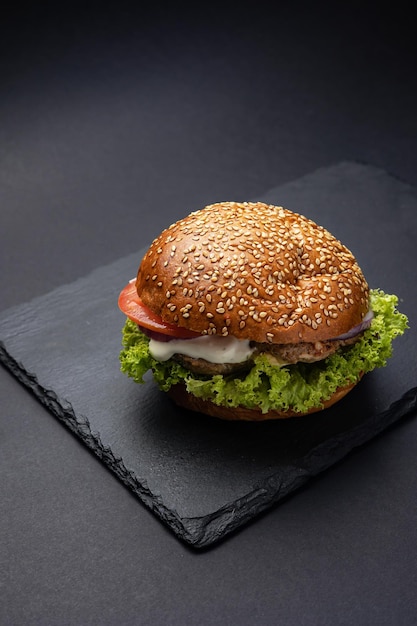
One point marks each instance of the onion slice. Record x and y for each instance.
(365, 323)
(153, 334)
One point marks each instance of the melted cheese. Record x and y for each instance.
(211, 348)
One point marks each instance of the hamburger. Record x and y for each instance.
(249, 311)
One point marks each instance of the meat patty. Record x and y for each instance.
(201, 367)
(306, 352)
(283, 354)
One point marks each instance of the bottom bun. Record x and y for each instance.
(179, 394)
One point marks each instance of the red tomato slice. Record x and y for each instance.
(132, 306)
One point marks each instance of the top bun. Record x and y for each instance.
(254, 271)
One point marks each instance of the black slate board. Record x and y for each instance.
(203, 477)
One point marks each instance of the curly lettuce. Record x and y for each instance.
(267, 386)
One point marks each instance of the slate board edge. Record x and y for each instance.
(203, 532)
(325, 455)
(80, 427)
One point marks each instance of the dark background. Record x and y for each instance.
(114, 122)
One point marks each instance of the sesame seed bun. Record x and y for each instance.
(254, 271)
(182, 398)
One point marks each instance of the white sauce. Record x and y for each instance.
(212, 348)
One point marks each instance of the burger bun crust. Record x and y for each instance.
(181, 397)
(254, 271)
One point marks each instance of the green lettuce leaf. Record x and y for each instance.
(300, 387)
